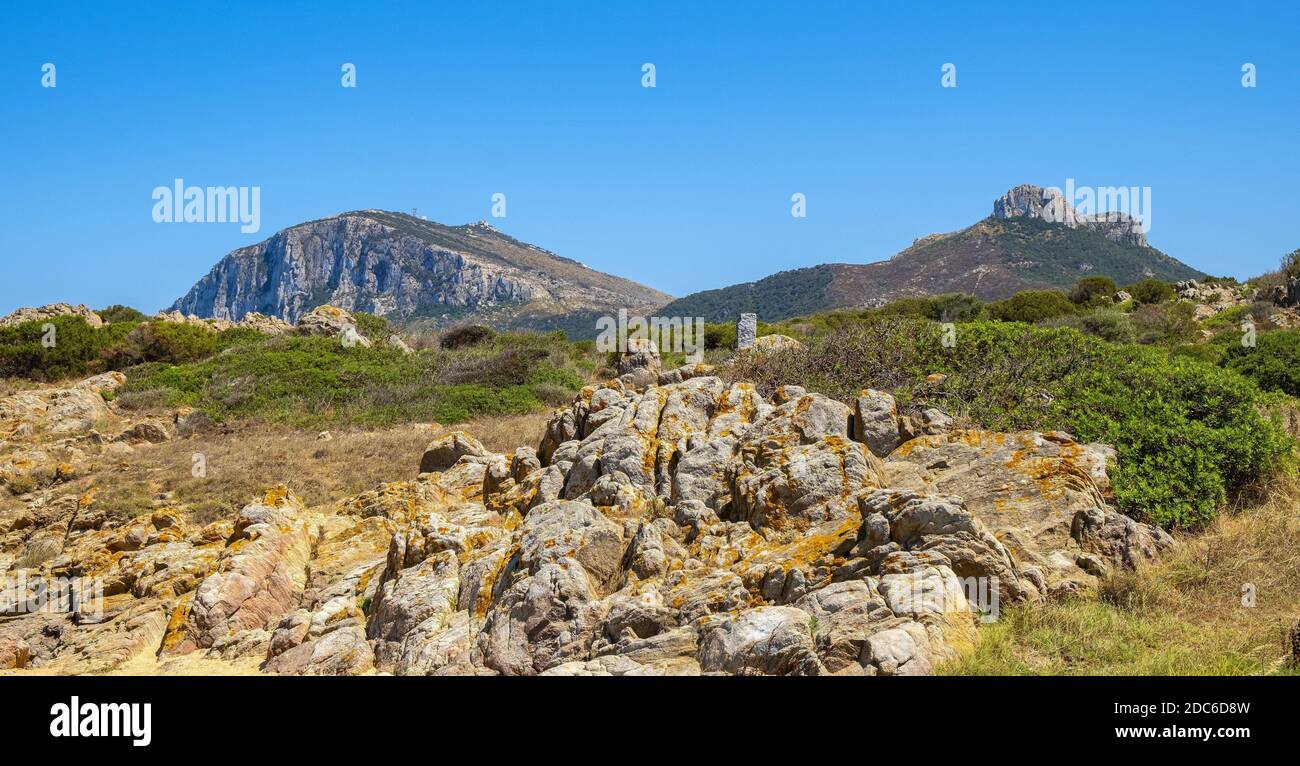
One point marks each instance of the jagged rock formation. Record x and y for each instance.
(402, 267)
(1029, 201)
(679, 525)
(1033, 239)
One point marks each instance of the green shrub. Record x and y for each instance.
(316, 381)
(1093, 291)
(1209, 353)
(79, 349)
(719, 335)
(1151, 291)
(1189, 435)
(951, 307)
(1031, 306)
(465, 336)
(1105, 323)
(1231, 317)
(48, 349)
(1274, 362)
(119, 313)
(1166, 323)
(375, 328)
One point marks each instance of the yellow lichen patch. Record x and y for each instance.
(806, 549)
(175, 632)
(277, 496)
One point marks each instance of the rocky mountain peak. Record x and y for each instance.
(403, 267)
(1050, 205)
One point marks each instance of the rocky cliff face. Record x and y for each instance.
(399, 266)
(1049, 205)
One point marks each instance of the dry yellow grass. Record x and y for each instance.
(242, 463)
(1186, 615)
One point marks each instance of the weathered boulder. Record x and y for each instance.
(14, 653)
(331, 322)
(769, 343)
(426, 591)
(563, 532)
(785, 487)
(1026, 488)
(844, 615)
(544, 619)
(766, 640)
(444, 452)
(875, 421)
(259, 576)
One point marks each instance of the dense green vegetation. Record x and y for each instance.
(1274, 363)
(1189, 435)
(73, 348)
(319, 381)
(1150, 291)
(1093, 291)
(1031, 306)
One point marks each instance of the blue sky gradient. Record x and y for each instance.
(683, 187)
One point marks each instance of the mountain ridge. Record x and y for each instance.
(405, 267)
(1032, 240)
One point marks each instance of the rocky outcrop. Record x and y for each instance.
(252, 321)
(47, 312)
(1031, 490)
(398, 266)
(690, 526)
(51, 434)
(1211, 298)
(331, 322)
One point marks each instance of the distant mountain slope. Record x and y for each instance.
(406, 268)
(787, 293)
(1014, 249)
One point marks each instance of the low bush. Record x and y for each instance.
(1273, 363)
(468, 335)
(373, 327)
(119, 313)
(317, 381)
(1151, 291)
(50, 349)
(1105, 323)
(1031, 306)
(1291, 264)
(1093, 291)
(74, 348)
(951, 307)
(1166, 323)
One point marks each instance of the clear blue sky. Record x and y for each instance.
(683, 187)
